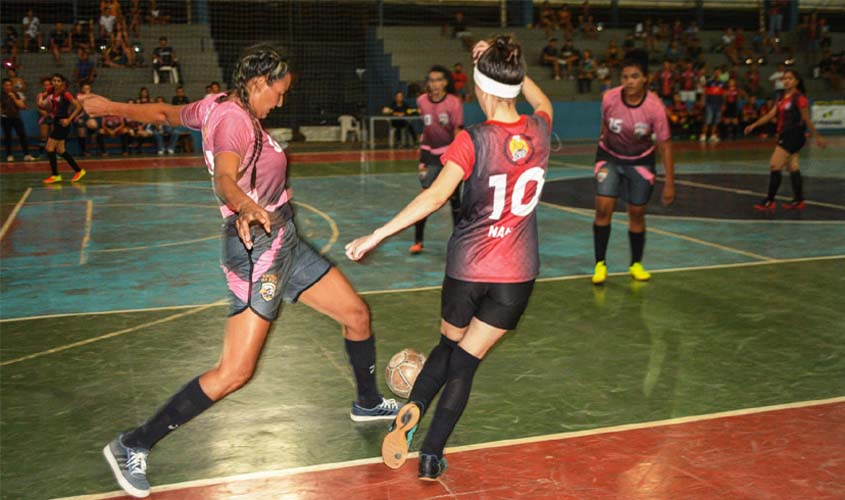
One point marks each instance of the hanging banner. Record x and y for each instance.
(828, 114)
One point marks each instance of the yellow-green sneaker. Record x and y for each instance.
(599, 273)
(52, 179)
(638, 272)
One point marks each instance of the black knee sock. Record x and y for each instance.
(419, 229)
(774, 184)
(637, 241)
(362, 357)
(54, 164)
(462, 367)
(82, 142)
(68, 158)
(186, 404)
(102, 143)
(601, 235)
(455, 202)
(433, 375)
(797, 185)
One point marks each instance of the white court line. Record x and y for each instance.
(109, 335)
(703, 185)
(14, 213)
(437, 287)
(588, 213)
(89, 212)
(271, 474)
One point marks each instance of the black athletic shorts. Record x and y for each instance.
(731, 110)
(792, 140)
(430, 168)
(497, 304)
(59, 132)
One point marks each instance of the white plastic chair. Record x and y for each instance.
(174, 74)
(349, 124)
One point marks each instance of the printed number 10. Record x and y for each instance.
(499, 183)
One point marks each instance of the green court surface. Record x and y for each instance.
(111, 301)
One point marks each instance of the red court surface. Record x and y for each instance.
(780, 453)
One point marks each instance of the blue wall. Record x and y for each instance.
(572, 120)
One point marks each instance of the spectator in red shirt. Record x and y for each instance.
(459, 78)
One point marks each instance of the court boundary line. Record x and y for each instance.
(583, 212)
(86, 237)
(561, 436)
(437, 287)
(11, 218)
(109, 335)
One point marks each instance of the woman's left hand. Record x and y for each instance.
(821, 142)
(356, 249)
(65, 122)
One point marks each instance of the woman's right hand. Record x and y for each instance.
(248, 215)
(478, 50)
(749, 129)
(95, 105)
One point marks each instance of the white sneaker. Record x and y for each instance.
(702, 138)
(170, 151)
(29, 158)
(160, 152)
(714, 138)
(10, 158)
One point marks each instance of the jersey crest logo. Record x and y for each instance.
(519, 149)
(268, 287)
(641, 129)
(787, 105)
(443, 119)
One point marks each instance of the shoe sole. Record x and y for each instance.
(394, 448)
(115, 468)
(599, 281)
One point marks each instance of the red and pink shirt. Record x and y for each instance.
(441, 119)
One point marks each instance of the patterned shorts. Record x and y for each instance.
(279, 267)
(633, 183)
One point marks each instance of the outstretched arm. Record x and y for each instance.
(158, 113)
(424, 204)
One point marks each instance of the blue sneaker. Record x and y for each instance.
(431, 467)
(386, 410)
(394, 448)
(129, 466)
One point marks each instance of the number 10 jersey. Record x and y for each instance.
(504, 164)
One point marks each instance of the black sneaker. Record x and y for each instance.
(431, 467)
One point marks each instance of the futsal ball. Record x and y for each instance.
(402, 371)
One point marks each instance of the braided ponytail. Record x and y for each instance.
(258, 60)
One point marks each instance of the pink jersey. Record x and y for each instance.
(504, 164)
(441, 119)
(627, 131)
(227, 127)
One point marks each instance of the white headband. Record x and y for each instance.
(493, 87)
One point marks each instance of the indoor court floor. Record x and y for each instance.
(722, 377)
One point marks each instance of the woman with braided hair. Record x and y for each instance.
(264, 260)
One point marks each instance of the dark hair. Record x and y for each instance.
(60, 77)
(6, 80)
(258, 60)
(638, 58)
(797, 76)
(447, 74)
(503, 61)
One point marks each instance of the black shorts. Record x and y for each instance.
(497, 304)
(731, 111)
(792, 140)
(430, 168)
(59, 132)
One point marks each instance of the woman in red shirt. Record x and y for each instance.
(793, 112)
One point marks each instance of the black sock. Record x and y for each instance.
(186, 404)
(455, 202)
(362, 357)
(637, 241)
(797, 185)
(102, 143)
(54, 164)
(82, 142)
(419, 229)
(774, 184)
(462, 367)
(601, 235)
(68, 158)
(433, 375)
